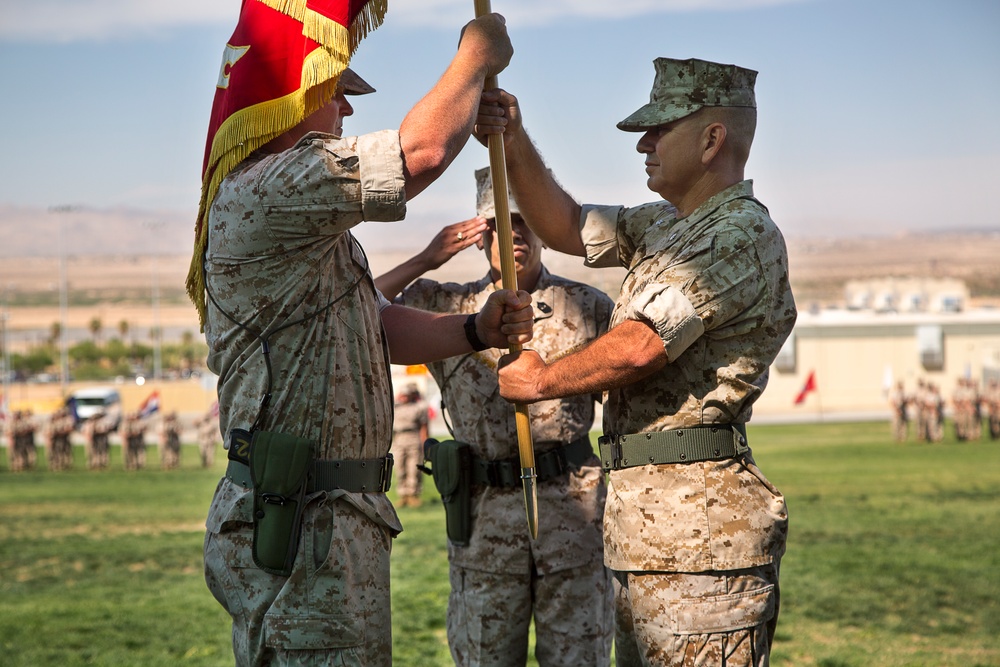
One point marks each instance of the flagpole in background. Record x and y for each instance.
(5, 323)
(508, 277)
(154, 226)
(63, 299)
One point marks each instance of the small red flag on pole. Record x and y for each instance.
(810, 385)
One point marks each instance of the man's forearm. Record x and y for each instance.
(437, 128)
(419, 337)
(627, 353)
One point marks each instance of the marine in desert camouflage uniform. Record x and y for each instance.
(921, 401)
(934, 407)
(170, 442)
(409, 431)
(208, 437)
(15, 458)
(23, 452)
(503, 579)
(991, 401)
(962, 409)
(95, 432)
(133, 435)
(693, 530)
(58, 448)
(282, 263)
(975, 410)
(899, 404)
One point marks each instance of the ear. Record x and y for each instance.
(713, 138)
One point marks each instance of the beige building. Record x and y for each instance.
(854, 357)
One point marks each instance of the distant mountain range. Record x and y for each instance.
(35, 232)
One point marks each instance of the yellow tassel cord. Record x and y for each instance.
(249, 129)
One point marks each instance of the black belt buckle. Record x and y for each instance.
(614, 447)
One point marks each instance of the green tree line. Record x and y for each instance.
(105, 359)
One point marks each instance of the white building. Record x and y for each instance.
(854, 358)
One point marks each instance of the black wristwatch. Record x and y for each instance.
(470, 333)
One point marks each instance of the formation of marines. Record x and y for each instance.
(22, 452)
(58, 448)
(96, 432)
(925, 408)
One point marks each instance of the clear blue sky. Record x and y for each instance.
(876, 116)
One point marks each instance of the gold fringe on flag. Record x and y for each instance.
(249, 129)
(325, 30)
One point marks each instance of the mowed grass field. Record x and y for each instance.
(893, 559)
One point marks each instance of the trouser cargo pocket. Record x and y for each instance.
(723, 613)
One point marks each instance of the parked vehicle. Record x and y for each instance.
(85, 403)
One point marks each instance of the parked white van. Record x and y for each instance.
(88, 402)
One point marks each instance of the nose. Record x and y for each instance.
(345, 107)
(647, 142)
(519, 229)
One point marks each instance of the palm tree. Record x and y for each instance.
(55, 333)
(123, 329)
(96, 326)
(187, 347)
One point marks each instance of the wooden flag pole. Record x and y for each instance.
(508, 277)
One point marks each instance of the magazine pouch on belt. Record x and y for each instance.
(279, 467)
(451, 467)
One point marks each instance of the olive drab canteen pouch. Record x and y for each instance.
(451, 468)
(279, 467)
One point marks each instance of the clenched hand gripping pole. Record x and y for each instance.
(508, 277)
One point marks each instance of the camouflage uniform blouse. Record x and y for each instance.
(715, 287)
(280, 250)
(567, 314)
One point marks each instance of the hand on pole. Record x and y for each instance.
(499, 113)
(506, 319)
(519, 374)
(485, 38)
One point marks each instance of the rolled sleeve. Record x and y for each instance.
(672, 315)
(599, 232)
(381, 302)
(383, 195)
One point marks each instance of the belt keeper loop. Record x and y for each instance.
(385, 480)
(492, 478)
(562, 464)
(512, 477)
(741, 442)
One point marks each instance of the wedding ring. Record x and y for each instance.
(459, 235)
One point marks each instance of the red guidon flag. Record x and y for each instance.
(809, 386)
(282, 63)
